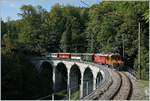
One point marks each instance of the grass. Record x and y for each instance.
(45, 97)
(59, 95)
(143, 85)
(75, 95)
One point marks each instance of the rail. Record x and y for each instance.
(113, 89)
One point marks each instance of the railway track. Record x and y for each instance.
(125, 89)
(114, 88)
(119, 87)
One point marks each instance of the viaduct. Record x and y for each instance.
(71, 75)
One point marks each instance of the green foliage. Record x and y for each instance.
(144, 64)
(19, 78)
(101, 28)
(146, 16)
(31, 27)
(75, 95)
(74, 27)
(112, 23)
(3, 28)
(64, 42)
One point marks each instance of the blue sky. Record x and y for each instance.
(12, 7)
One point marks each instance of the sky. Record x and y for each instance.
(10, 8)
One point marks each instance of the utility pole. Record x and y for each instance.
(123, 45)
(139, 52)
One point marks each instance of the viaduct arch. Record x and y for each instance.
(46, 78)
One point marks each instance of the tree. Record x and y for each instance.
(64, 42)
(31, 29)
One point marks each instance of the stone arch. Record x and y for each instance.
(61, 76)
(46, 78)
(99, 78)
(75, 78)
(87, 81)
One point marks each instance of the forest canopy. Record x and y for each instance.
(101, 28)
